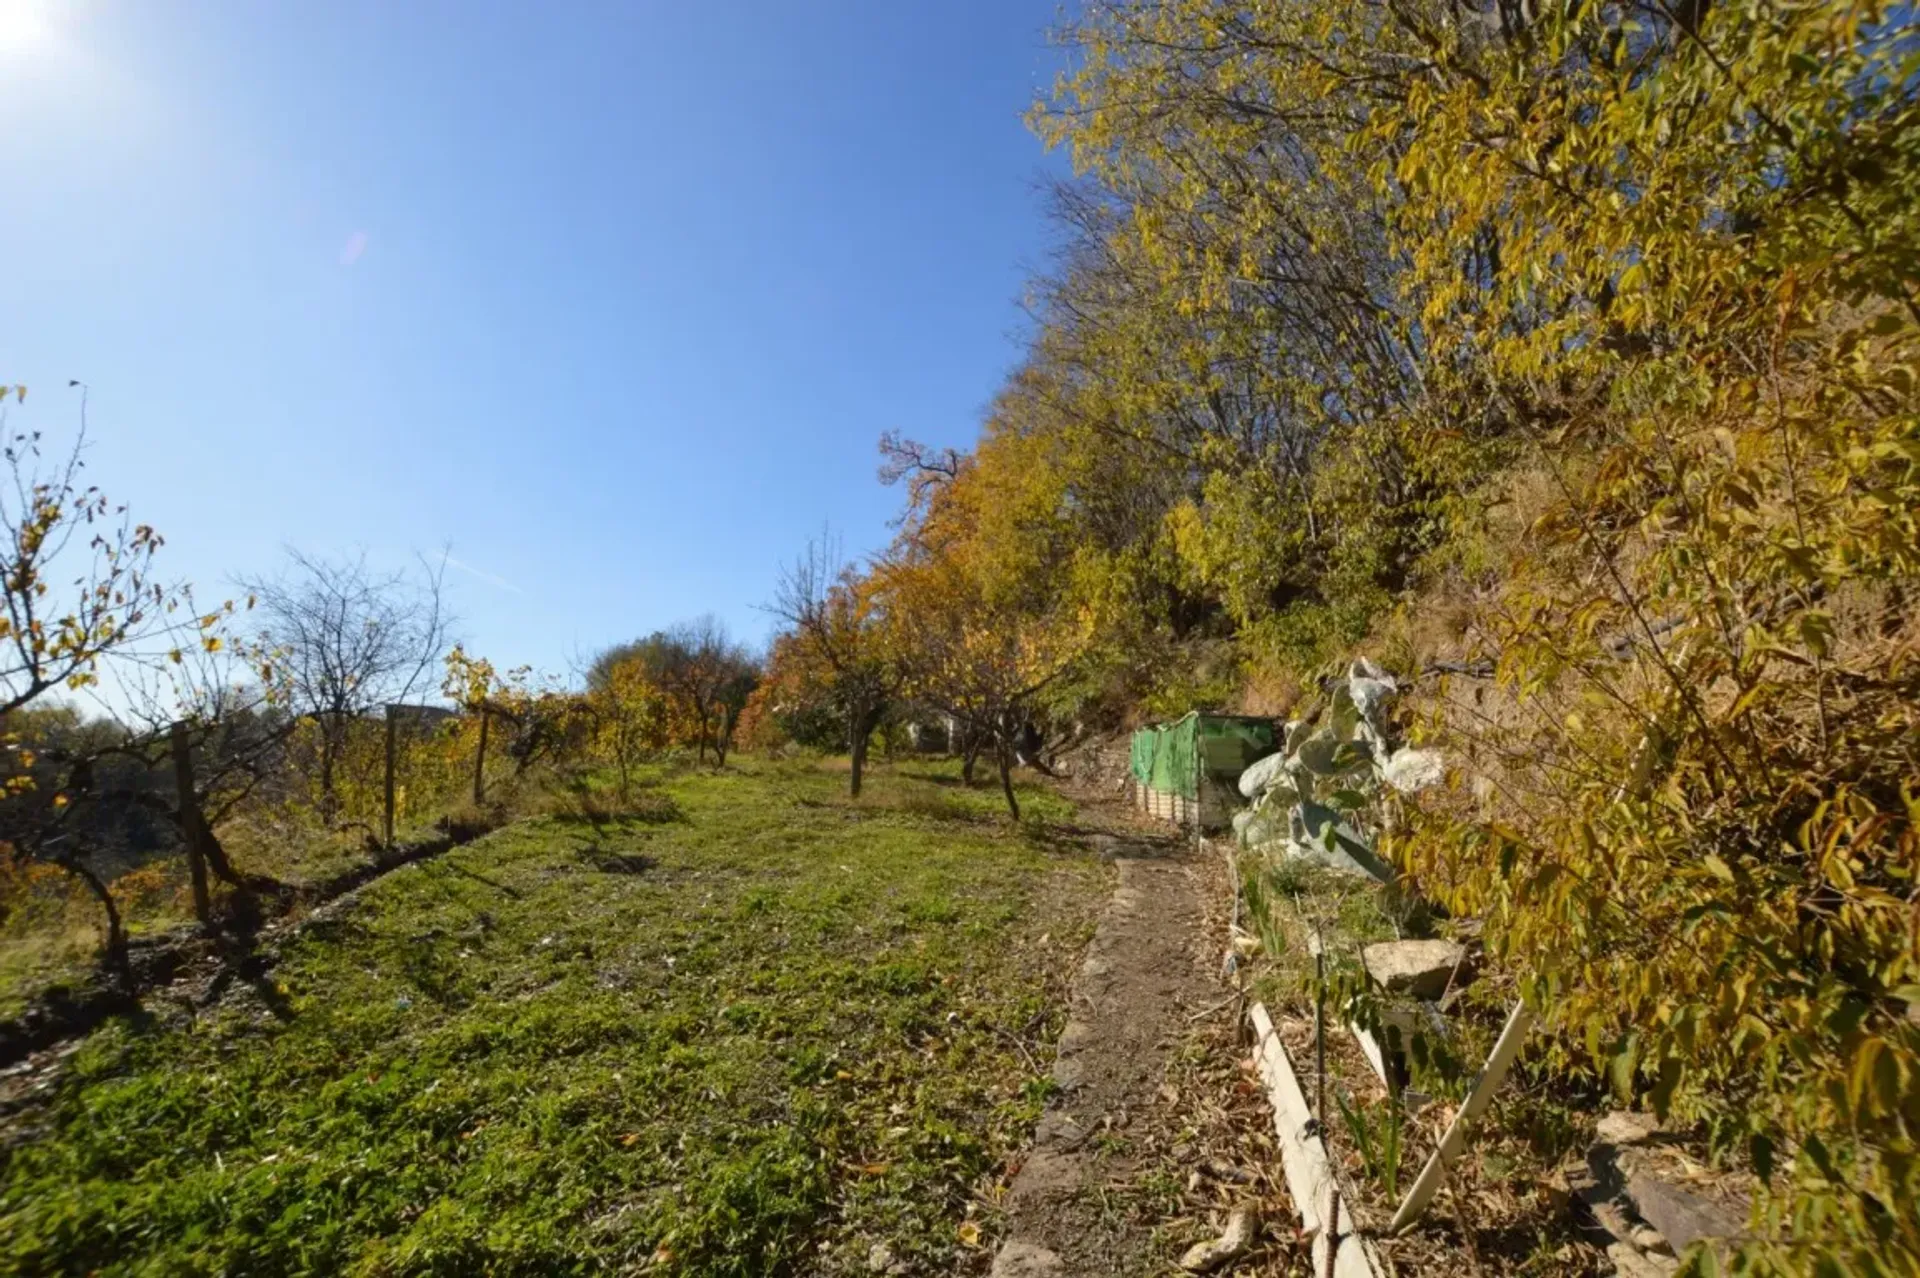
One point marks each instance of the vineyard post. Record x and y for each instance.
(480, 762)
(392, 726)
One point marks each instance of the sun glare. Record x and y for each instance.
(24, 25)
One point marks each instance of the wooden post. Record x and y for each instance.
(480, 763)
(190, 823)
(1491, 1076)
(392, 725)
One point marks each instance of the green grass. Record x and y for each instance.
(756, 1038)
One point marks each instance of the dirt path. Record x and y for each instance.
(1144, 975)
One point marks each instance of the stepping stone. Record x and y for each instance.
(1419, 969)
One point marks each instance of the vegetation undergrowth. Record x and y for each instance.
(760, 1035)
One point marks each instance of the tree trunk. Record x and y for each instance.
(1005, 754)
(114, 954)
(328, 750)
(189, 808)
(215, 854)
(858, 750)
(970, 756)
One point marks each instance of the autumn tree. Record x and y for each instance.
(541, 721)
(837, 643)
(1601, 317)
(977, 632)
(76, 579)
(706, 675)
(630, 718)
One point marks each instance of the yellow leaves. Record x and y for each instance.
(1878, 1083)
(968, 1234)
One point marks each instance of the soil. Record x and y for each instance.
(1155, 1132)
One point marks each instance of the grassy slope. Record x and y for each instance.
(769, 1044)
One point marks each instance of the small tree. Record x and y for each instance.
(630, 718)
(973, 657)
(700, 667)
(351, 640)
(208, 708)
(76, 588)
(838, 643)
(731, 702)
(545, 722)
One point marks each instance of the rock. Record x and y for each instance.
(1410, 770)
(1629, 1263)
(1243, 1226)
(1420, 969)
(1682, 1217)
(1628, 1186)
(1020, 1259)
(1255, 780)
(1627, 1127)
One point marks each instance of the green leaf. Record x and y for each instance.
(1622, 1067)
(1661, 1097)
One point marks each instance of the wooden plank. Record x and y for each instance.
(1370, 1048)
(1303, 1157)
(1491, 1076)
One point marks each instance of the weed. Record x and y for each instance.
(1378, 1140)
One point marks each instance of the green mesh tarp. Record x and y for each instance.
(1163, 755)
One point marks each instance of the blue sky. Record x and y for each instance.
(613, 298)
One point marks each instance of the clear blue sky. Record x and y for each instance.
(614, 298)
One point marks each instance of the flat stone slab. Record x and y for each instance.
(1419, 969)
(1632, 1176)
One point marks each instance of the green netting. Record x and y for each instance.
(1163, 755)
